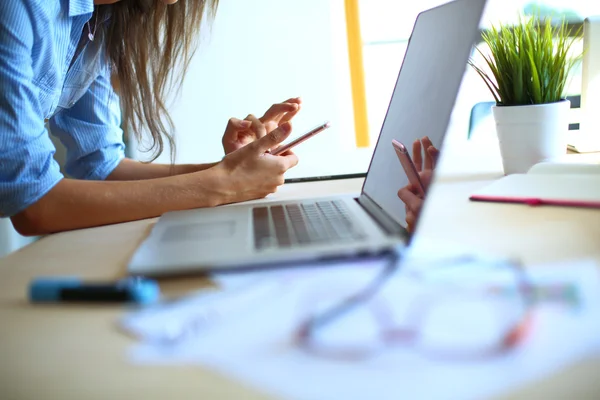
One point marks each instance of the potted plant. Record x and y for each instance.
(529, 65)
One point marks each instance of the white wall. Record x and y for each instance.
(265, 51)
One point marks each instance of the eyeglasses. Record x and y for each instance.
(461, 308)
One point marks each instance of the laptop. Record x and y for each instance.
(297, 231)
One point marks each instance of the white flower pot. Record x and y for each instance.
(530, 134)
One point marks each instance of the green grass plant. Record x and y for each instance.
(529, 62)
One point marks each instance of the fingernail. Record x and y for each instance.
(245, 124)
(286, 128)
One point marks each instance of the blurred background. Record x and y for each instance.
(266, 51)
(341, 56)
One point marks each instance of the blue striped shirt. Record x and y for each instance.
(40, 79)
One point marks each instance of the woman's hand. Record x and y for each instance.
(411, 195)
(245, 174)
(239, 133)
(251, 173)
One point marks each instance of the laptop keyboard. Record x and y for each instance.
(303, 223)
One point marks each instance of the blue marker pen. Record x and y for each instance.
(72, 289)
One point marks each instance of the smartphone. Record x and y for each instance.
(407, 164)
(306, 136)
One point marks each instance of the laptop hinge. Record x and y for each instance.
(384, 220)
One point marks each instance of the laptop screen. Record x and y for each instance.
(424, 96)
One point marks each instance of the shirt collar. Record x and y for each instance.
(79, 7)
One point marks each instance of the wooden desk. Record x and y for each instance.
(75, 352)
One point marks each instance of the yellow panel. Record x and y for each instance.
(357, 73)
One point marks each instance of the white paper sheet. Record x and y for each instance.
(249, 339)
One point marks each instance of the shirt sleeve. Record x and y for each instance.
(27, 167)
(91, 131)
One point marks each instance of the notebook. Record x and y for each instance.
(547, 183)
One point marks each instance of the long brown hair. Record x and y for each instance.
(150, 45)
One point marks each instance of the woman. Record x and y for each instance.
(57, 61)
(413, 196)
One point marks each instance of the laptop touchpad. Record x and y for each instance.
(199, 231)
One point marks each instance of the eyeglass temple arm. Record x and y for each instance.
(354, 300)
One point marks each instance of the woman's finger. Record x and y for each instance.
(412, 202)
(285, 153)
(429, 161)
(416, 190)
(288, 116)
(411, 220)
(291, 159)
(297, 100)
(417, 155)
(277, 111)
(257, 127)
(426, 142)
(433, 154)
(235, 124)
